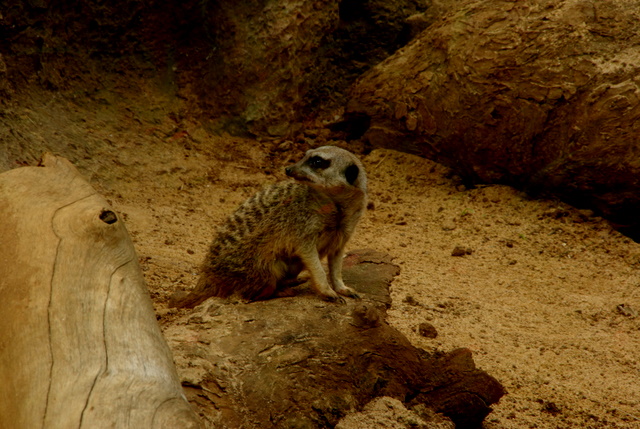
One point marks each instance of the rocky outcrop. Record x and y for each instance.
(302, 362)
(254, 66)
(539, 94)
(275, 63)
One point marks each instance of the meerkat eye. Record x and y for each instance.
(318, 163)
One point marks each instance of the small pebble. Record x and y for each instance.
(285, 146)
(627, 310)
(448, 226)
(427, 330)
(461, 251)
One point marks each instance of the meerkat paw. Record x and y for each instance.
(336, 299)
(347, 291)
(333, 297)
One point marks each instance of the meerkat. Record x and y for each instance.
(288, 227)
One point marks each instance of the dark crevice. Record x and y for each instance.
(353, 126)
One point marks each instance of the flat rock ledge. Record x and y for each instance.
(300, 362)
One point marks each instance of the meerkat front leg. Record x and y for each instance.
(334, 260)
(311, 260)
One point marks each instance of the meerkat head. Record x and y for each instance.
(329, 166)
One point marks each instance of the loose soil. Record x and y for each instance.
(546, 296)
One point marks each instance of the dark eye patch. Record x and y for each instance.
(318, 163)
(351, 173)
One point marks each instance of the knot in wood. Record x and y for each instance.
(107, 216)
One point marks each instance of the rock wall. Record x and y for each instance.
(276, 63)
(255, 66)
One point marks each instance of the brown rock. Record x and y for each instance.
(544, 98)
(260, 58)
(303, 362)
(427, 330)
(461, 251)
(267, 68)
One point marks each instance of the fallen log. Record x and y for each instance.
(79, 341)
(302, 362)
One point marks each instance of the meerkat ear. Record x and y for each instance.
(351, 173)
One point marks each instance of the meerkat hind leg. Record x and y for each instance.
(335, 272)
(286, 286)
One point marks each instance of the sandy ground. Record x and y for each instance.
(545, 295)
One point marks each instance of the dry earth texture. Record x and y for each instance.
(546, 296)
